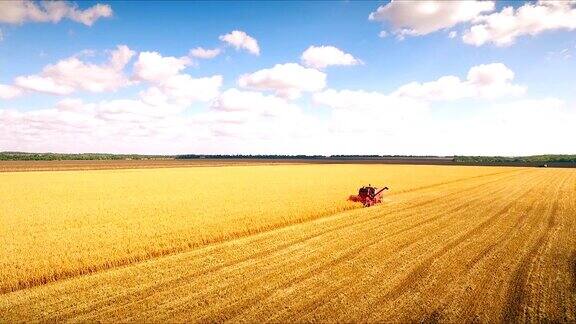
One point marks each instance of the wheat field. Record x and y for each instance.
(281, 243)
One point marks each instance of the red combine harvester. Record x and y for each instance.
(368, 196)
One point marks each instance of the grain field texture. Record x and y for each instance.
(451, 244)
(62, 224)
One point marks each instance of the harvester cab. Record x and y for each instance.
(368, 196)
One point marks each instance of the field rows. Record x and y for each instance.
(499, 246)
(69, 223)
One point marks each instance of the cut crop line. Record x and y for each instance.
(267, 253)
(261, 255)
(457, 181)
(516, 295)
(411, 280)
(130, 260)
(378, 239)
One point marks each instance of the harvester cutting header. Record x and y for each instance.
(368, 195)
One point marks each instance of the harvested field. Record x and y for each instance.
(449, 244)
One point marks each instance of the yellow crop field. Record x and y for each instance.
(281, 243)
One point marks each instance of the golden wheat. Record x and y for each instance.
(62, 224)
(450, 244)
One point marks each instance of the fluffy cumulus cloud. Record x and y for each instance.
(22, 11)
(235, 121)
(183, 89)
(251, 101)
(371, 123)
(153, 67)
(169, 84)
(502, 28)
(521, 127)
(362, 122)
(320, 57)
(249, 115)
(485, 26)
(72, 74)
(9, 92)
(74, 126)
(486, 81)
(360, 111)
(176, 112)
(286, 80)
(203, 53)
(413, 18)
(239, 121)
(240, 40)
(43, 84)
(359, 100)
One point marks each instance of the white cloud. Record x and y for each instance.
(105, 126)
(9, 92)
(524, 127)
(73, 104)
(358, 110)
(182, 89)
(241, 40)
(169, 84)
(43, 84)
(120, 57)
(320, 57)
(21, 11)
(359, 100)
(254, 102)
(161, 120)
(129, 110)
(247, 122)
(486, 81)
(72, 74)
(364, 122)
(414, 18)
(248, 117)
(237, 121)
(153, 67)
(374, 123)
(502, 28)
(90, 15)
(203, 53)
(452, 34)
(287, 80)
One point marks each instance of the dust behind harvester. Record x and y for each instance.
(368, 196)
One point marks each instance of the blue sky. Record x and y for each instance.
(387, 88)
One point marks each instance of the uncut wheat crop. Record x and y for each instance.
(62, 224)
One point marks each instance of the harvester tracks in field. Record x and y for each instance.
(413, 278)
(58, 275)
(516, 294)
(463, 251)
(353, 222)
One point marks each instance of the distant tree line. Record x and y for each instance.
(542, 159)
(303, 157)
(23, 156)
(534, 159)
(245, 156)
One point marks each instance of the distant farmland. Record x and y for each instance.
(281, 243)
(22, 161)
